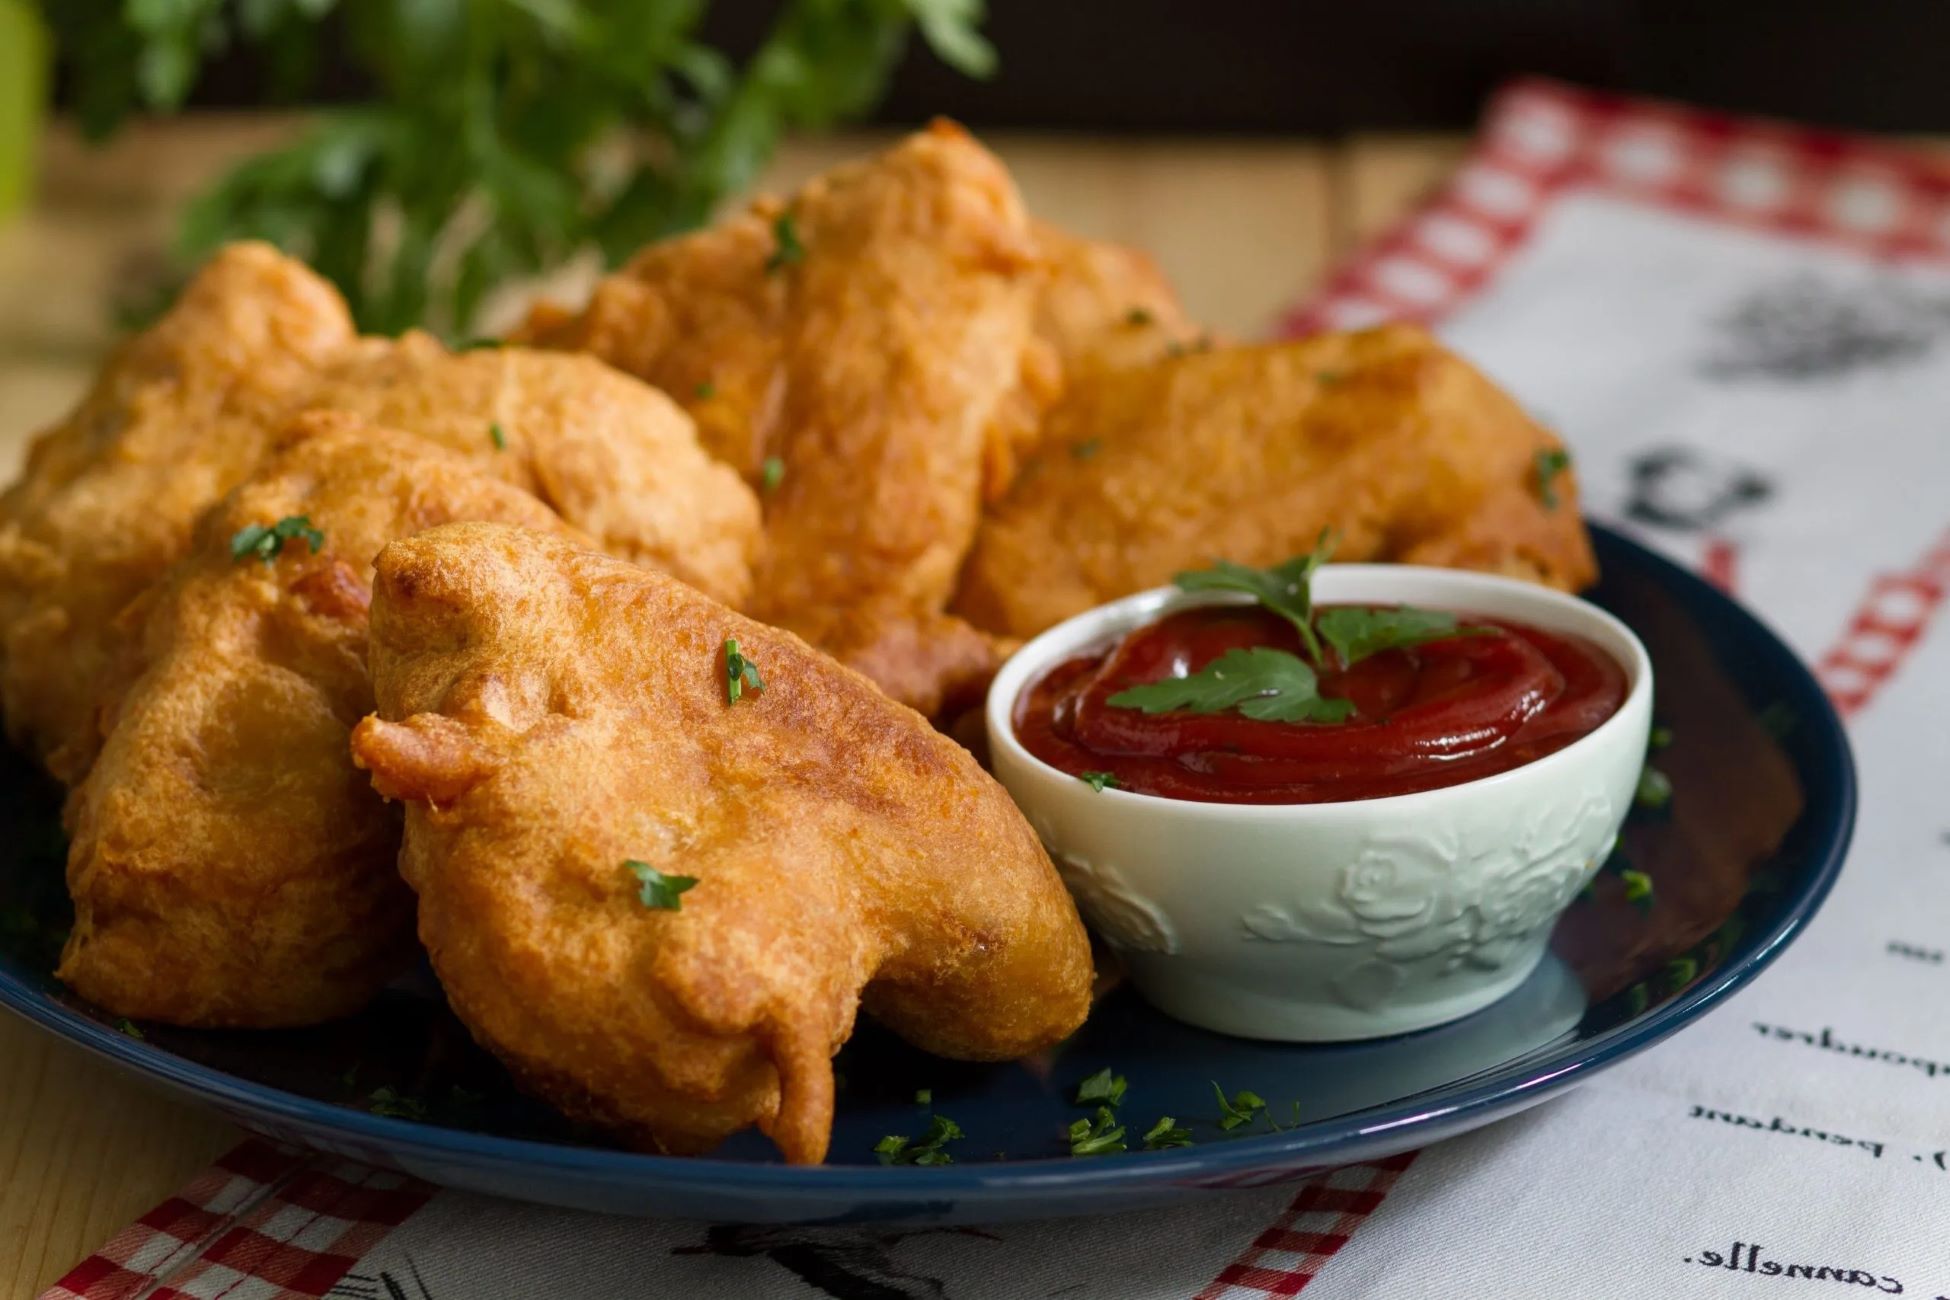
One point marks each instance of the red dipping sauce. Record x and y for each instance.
(1425, 716)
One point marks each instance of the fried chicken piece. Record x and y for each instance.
(229, 866)
(843, 852)
(187, 409)
(1246, 454)
(108, 496)
(613, 456)
(1104, 306)
(873, 334)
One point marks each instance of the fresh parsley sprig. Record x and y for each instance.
(1355, 633)
(1264, 684)
(1271, 685)
(1286, 589)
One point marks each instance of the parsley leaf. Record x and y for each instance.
(1638, 886)
(740, 673)
(787, 251)
(1286, 589)
(1356, 632)
(1139, 316)
(1166, 1133)
(1099, 1136)
(928, 1149)
(1103, 1086)
(385, 1101)
(924, 1097)
(1240, 1110)
(1087, 448)
(498, 436)
(658, 890)
(771, 474)
(1099, 781)
(1551, 461)
(1262, 683)
(1654, 789)
(128, 1027)
(265, 541)
(705, 391)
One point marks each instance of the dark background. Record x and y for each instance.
(1299, 67)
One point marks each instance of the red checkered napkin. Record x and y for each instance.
(265, 1222)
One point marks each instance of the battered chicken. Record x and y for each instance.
(612, 455)
(108, 496)
(1104, 306)
(660, 907)
(1248, 453)
(229, 866)
(871, 340)
(187, 409)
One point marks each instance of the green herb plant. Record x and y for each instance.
(503, 136)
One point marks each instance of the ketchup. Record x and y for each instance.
(1425, 716)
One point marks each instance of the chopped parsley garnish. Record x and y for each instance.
(1100, 781)
(128, 1027)
(740, 673)
(1087, 448)
(787, 250)
(656, 889)
(1638, 885)
(1101, 1135)
(1327, 378)
(705, 391)
(498, 436)
(385, 1101)
(1655, 789)
(1264, 684)
(478, 342)
(265, 541)
(1166, 1133)
(1660, 738)
(1777, 720)
(1139, 316)
(1101, 1088)
(771, 474)
(924, 1097)
(1551, 461)
(928, 1149)
(1240, 1109)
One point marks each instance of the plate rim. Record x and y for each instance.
(1440, 1110)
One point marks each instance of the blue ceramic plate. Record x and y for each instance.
(1739, 860)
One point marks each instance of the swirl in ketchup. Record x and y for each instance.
(1436, 714)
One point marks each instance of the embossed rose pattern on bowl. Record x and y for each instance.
(1326, 922)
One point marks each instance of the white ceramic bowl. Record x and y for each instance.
(1320, 922)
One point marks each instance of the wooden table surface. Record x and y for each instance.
(1244, 228)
